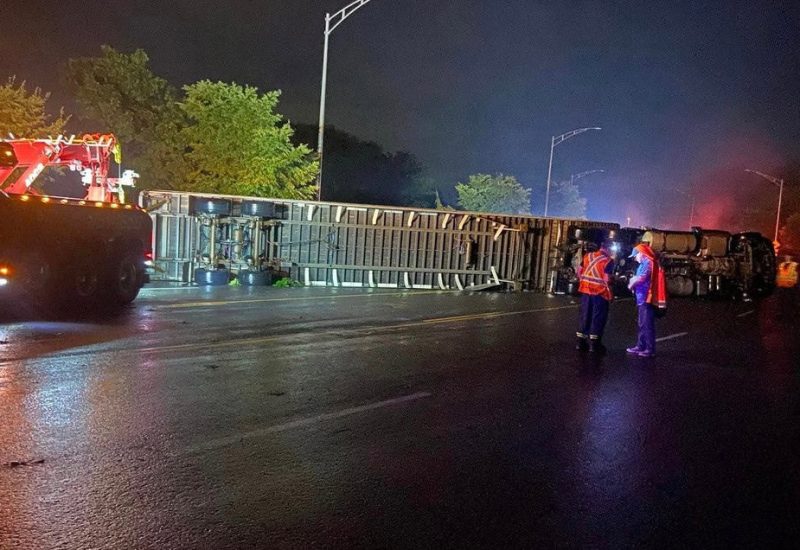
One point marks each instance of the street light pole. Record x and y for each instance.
(337, 19)
(778, 182)
(691, 212)
(555, 140)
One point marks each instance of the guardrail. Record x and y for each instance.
(339, 244)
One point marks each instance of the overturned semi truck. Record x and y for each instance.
(712, 262)
(700, 262)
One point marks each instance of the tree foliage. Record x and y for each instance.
(23, 114)
(502, 194)
(208, 136)
(237, 144)
(439, 205)
(118, 93)
(566, 200)
(362, 172)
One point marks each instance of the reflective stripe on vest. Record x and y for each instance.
(593, 276)
(787, 275)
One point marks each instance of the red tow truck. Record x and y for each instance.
(75, 252)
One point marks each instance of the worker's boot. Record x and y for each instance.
(581, 344)
(596, 346)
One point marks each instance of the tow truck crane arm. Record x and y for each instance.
(22, 160)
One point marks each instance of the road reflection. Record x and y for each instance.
(29, 339)
(70, 451)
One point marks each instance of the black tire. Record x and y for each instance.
(209, 206)
(211, 277)
(83, 283)
(258, 209)
(254, 278)
(36, 276)
(125, 278)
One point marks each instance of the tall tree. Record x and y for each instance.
(362, 172)
(23, 114)
(566, 200)
(501, 194)
(238, 144)
(118, 93)
(216, 137)
(420, 191)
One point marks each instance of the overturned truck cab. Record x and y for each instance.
(705, 262)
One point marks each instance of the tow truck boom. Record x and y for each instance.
(22, 161)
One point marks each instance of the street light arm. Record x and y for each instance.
(772, 179)
(343, 14)
(572, 133)
(553, 142)
(584, 174)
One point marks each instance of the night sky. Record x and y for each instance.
(688, 93)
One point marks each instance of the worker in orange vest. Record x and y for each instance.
(595, 289)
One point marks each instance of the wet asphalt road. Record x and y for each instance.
(297, 418)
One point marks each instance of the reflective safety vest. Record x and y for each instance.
(593, 275)
(787, 275)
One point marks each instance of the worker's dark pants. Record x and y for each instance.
(594, 314)
(647, 328)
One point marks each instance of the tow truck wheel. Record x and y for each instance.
(84, 282)
(35, 275)
(126, 278)
(253, 278)
(212, 277)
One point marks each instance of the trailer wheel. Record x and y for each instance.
(211, 277)
(126, 278)
(258, 209)
(253, 278)
(210, 206)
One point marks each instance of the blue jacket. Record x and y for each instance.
(643, 286)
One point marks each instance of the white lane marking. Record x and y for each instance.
(746, 313)
(671, 336)
(303, 422)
